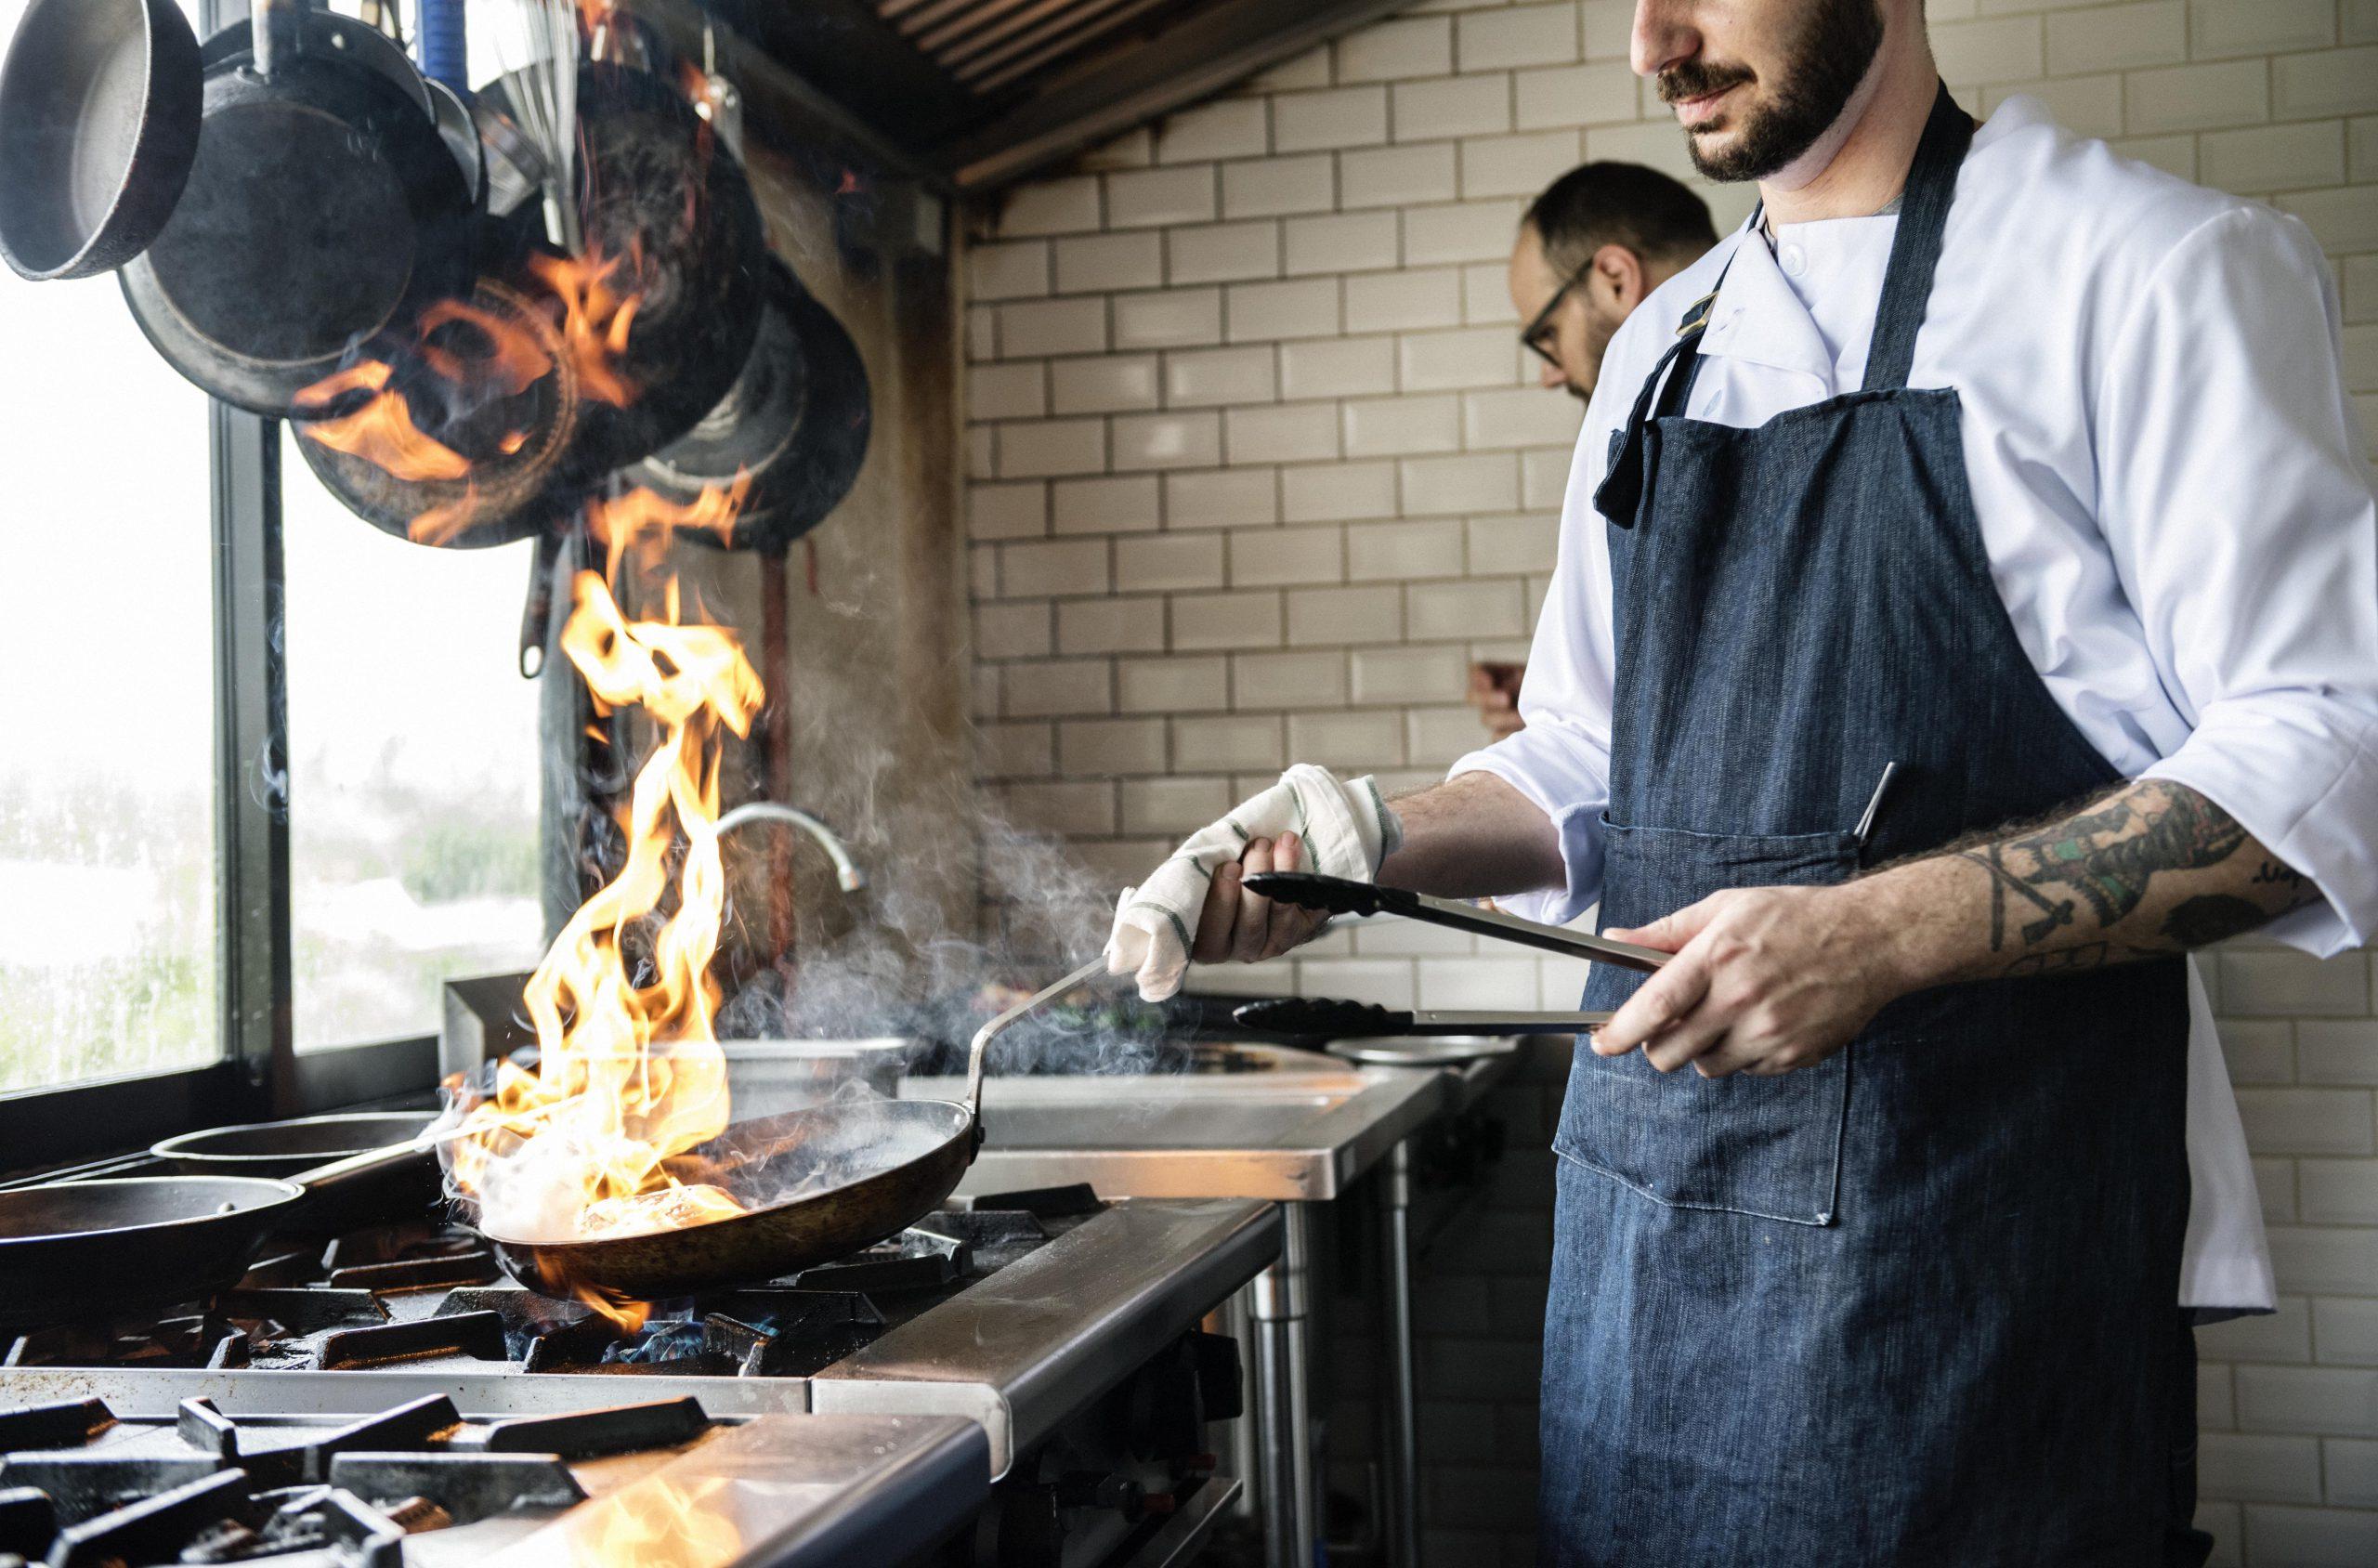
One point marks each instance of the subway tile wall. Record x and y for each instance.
(1257, 468)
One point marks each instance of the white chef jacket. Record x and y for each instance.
(2173, 492)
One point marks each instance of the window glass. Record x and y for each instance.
(413, 747)
(107, 770)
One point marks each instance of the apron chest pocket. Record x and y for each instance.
(1765, 1146)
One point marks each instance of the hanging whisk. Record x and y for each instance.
(536, 45)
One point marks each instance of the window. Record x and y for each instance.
(108, 944)
(413, 770)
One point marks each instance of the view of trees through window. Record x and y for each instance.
(107, 770)
(412, 778)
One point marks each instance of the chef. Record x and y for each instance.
(1590, 248)
(1966, 606)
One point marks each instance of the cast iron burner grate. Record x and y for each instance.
(427, 1297)
(78, 1488)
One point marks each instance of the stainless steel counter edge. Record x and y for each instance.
(152, 1393)
(1109, 1294)
(1314, 1160)
(799, 1492)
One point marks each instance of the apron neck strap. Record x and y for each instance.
(1915, 247)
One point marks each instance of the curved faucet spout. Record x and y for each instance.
(846, 869)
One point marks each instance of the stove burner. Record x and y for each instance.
(915, 1260)
(80, 1488)
(53, 1425)
(1046, 1203)
(585, 1434)
(479, 1335)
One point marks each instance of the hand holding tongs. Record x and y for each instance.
(1339, 896)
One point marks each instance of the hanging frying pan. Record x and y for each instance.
(488, 386)
(794, 425)
(323, 209)
(668, 219)
(99, 126)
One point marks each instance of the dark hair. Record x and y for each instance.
(1598, 204)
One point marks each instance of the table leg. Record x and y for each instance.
(1283, 1430)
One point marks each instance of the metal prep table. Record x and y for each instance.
(1298, 1134)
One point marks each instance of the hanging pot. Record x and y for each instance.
(795, 426)
(488, 386)
(99, 103)
(668, 219)
(323, 209)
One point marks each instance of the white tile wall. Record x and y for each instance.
(1259, 469)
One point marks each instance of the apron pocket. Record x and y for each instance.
(1765, 1146)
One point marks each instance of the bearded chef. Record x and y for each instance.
(1966, 607)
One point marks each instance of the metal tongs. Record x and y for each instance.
(1347, 1020)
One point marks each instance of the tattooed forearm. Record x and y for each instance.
(2152, 867)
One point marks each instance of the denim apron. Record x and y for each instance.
(1912, 1305)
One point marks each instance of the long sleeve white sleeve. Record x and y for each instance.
(2237, 503)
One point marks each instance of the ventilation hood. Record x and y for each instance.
(973, 94)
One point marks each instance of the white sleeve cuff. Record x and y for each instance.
(1579, 827)
(2297, 776)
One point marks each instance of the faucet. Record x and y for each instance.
(846, 870)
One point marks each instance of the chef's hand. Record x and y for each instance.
(1494, 692)
(1236, 923)
(1764, 980)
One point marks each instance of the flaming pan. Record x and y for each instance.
(819, 1184)
(71, 1250)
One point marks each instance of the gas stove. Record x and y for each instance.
(1029, 1362)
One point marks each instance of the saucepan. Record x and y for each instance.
(858, 1171)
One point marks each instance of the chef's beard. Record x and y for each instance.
(1821, 68)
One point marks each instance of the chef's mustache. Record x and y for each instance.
(1693, 78)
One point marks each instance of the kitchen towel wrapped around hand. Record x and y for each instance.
(1347, 830)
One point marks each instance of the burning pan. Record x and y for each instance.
(73, 1248)
(860, 1170)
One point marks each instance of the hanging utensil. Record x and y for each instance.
(793, 428)
(99, 105)
(1339, 896)
(861, 1171)
(537, 56)
(670, 221)
(322, 210)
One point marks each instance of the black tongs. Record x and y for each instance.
(1339, 896)
(1357, 1020)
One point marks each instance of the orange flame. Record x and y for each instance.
(659, 1523)
(596, 320)
(629, 1075)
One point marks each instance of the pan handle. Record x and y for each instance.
(341, 1173)
(992, 1030)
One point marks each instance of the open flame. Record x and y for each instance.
(629, 1073)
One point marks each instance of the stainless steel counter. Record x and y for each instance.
(1300, 1133)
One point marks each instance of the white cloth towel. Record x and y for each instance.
(1347, 830)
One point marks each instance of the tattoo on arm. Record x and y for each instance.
(2063, 895)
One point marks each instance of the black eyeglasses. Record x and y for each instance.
(1538, 333)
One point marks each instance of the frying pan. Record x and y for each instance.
(895, 1160)
(98, 128)
(72, 1248)
(794, 425)
(288, 1149)
(323, 207)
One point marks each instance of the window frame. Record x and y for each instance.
(259, 1074)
